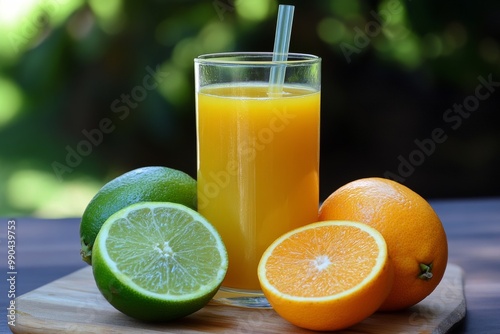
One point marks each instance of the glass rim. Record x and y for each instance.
(255, 58)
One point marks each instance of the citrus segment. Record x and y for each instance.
(326, 276)
(146, 184)
(158, 261)
(414, 233)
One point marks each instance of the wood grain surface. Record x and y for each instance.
(73, 304)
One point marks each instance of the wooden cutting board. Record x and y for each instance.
(73, 304)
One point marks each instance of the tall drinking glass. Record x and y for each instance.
(257, 156)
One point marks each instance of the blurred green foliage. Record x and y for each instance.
(91, 89)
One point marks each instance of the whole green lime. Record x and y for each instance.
(146, 184)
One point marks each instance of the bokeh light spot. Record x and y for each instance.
(12, 12)
(185, 51)
(10, 101)
(109, 14)
(176, 88)
(331, 30)
(407, 51)
(41, 193)
(255, 10)
(216, 37)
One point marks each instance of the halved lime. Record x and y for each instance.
(158, 261)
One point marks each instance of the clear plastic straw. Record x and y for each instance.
(281, 46)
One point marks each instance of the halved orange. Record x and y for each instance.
(326, 275)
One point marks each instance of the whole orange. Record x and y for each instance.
(415, 237)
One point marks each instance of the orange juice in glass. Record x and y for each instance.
(257, 155)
